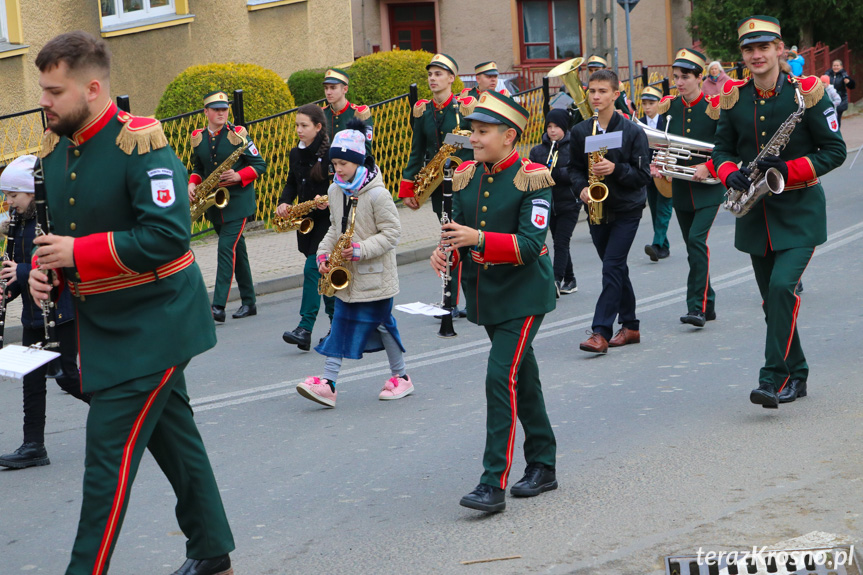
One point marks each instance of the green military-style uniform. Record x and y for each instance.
(781, 231)
(470, 96)
(209, 151)
(142, 313)
(695, 203)
(659, 204)
(508, 282)
(337, 120)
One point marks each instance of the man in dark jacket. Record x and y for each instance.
(840, 80)
(553, 152)
(626, 172)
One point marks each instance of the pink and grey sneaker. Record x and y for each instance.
(318, 390)
(397, 387)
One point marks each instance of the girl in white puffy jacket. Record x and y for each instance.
(362, 319)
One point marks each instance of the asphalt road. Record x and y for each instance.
(660, 451)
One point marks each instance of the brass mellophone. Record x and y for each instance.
(296, 219)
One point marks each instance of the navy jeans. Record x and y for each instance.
(617, 300)
(562, 226)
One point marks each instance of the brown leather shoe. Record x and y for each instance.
(594, 344)
(625, 336)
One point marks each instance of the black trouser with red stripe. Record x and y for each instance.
(777, 274)
(233, 259)
(513, 390)
(150, 412)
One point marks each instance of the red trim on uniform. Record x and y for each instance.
(725, 170)
(123, 483)
(92, 127)
(707, 281)
(132, 280)
(513, 395)
(800, 170)
(96, 257)
(457, 283)
(406, 189)
(343, 110)
(505, 163)
(247, 175)
(501, 248)
(695, 101)
(195, 179)
(710, 167)
(445, 104)
(796, 309)
(234, 258)
(731, 84)
(767, 226)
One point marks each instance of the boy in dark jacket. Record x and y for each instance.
(553, 152)
(17, 183)
(626, 172)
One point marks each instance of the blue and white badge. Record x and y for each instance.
(832, 119)
(253, 149)
(163, 192)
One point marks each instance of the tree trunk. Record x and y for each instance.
(806, 36)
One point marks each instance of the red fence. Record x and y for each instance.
(820, 58)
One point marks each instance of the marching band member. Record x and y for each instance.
(595, 63)
(501, 208)
(660, 206)
(212, 146)
(626, 171)
(338, 111)
(781, 231)
(486, 79)
(693, 115)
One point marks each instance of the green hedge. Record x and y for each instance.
(385, 75)
(265, 93)
(307, 85)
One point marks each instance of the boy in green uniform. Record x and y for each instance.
(120, 243)
(660, 205)
(780, 231)
(694, 115)
(501, 208)
(212, 146)
(338, 111)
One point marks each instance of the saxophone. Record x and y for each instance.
(339, 276)
(208, 193)
(295, 220)
(739, 202)
(597, 191)
(431, 175)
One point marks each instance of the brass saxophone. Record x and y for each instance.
(597, 191)
(208, 193)
(739, 202)
(431, 175)
(295, 220)
(339, 276)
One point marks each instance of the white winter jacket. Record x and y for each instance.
(377, 231)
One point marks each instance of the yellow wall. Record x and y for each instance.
(307, 34)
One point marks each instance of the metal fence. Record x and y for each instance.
(20, 133)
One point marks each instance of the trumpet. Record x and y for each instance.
(295, 220)
(597, 191)
(339, 276)
(551, 161)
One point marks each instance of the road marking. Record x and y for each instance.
(836, 240)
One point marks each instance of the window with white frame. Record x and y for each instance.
(4, 30)
(126, 11)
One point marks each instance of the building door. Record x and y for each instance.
(412, 26)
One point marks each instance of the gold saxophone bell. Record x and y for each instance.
(597, 192)
(340, 277)
(221, 197)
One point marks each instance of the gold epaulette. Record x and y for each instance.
(237, 135)
(664, 104)
(145, 134)
(420, 108)
(362, 112)
(197, 137)
(532, 177)
(463, 175)
(812, 88)
(731, 93)
(49, 142)
(712, 109)
(466, 105)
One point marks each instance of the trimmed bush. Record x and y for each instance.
(265, 93)
(385, 75)
(307, 85)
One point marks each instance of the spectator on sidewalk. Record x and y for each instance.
(716, 78)
(834, 96)
(796, 61)
(842, 82)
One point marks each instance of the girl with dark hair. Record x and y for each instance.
(308, 179)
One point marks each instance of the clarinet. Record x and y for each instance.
(43, 227)
(8, 255)
(446, 327)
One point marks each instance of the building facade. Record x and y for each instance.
(154, 40)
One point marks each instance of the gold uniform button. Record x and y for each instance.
(485, 266)
(77, 153)
(761, 118)
(763, 133)
(485, 195)
(688, 120)
(485, 208)
(763, 102)
(71, 201)
(769, 193)
(482, 224)
(490, 180)
(688, 130)
(73, 176)
(72, 226)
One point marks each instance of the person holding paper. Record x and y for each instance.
(625, 169)
(16, 182)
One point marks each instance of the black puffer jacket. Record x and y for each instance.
(627, 193)
(301, 187)
(564, 199)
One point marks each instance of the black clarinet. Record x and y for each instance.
(8, 256)
(43, 228)
(446, 327)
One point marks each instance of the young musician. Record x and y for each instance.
(595, 63)
(211, 147)
(780, 231)
(693, 115)
(16, 182)
(338, 111)
(120, 242)
(626, 172)
(501, 208)
(486, 79)
(660, 206)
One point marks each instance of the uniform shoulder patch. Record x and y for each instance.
(466, 105)
(463, 175)
(197, 137)
(532, 177)
(665, 104)
(506, 93)
(362, 112)
(237, 135)
(420, 108)
(49, 142)
(712, 109)
(731, 93)
(812, 88)
(145, 134)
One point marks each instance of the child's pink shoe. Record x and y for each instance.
(318, 390)
(397, 387)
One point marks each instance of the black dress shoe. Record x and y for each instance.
(320, 341)
(28, 455)
(764, 396)
(218, 313)
(653, 251)
(245, 311)
(485, 498)
(695, 318)
(793, 389)
(663, 253)
(710, 315)
(300, 337)
(537, 479)
(215, 566)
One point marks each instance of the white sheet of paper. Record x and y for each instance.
(609, 141)
(16, 361)
(419, 308)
